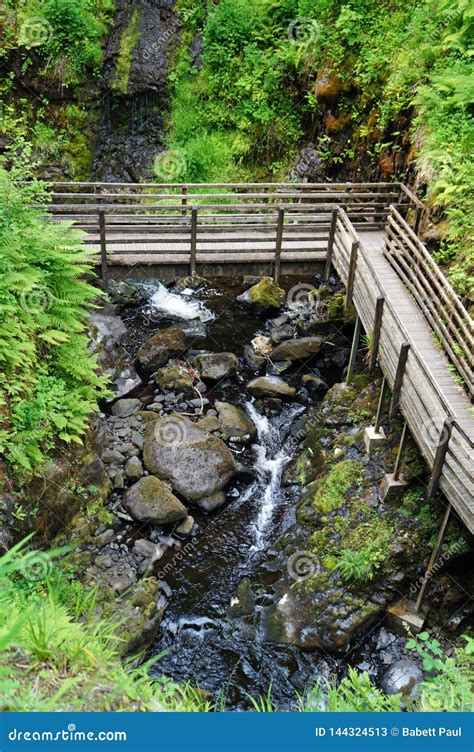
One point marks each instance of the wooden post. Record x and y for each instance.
(401, 449)
(434, 558)
(194, 221)
(184, 200)
(418, 214)
(397, 386)
(440, 456)
(376, 331)
(278, 245)
(332, 235)
(351, 274)
(354, 349)
(103, 251)
(378, 417)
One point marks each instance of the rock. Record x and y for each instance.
(210, 424)
(124, 408)
(151, 500)
(235, 423)
(314, 383)
(196, 463)
(253, 360)
(242, 602)
(161, 347)
(215, 366)
(280, 366)
(308, 165)
(119, 480)
(112, 455)
(133, 468)
(147, 550)
(265, 295)
(295, 349)
(280, 333)
(212, 502)
(175, 377)
(271, 385)
(185, 527)
(403, 677)
(123, 293)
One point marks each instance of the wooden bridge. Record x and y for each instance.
(422, 336)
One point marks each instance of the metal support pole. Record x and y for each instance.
(440, 456)
(401, 450)
(354, 349)
(278, 245)
(351, 274)
(103, 251)
(378, 417)
(376, 331)
(332, 235)
(397, 386)
(434, 558)
(194, 221)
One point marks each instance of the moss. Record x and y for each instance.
(266, 294)
(128, 41)
(333, 488)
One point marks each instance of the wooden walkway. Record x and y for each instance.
(422, 336)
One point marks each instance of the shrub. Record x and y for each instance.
(50, 383)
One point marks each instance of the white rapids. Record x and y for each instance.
(179, 306)
(270, 461)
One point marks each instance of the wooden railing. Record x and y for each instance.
(443, 439)
(443, 309)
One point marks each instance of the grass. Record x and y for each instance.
(332, 489)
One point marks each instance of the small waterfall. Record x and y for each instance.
(271, 459)
(177, 306)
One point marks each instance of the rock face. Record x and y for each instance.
(235, 423)
(161, 347)
(196, 463)
(151, 500)
(265, 294)
(215, 366)
(175, 377)
(271, 385)
(295, 349)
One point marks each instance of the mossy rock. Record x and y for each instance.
(265, 295)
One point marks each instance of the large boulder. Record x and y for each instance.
(151, 500)
(235, 423)
(161, 347)
(271, 385)
(403, 677)
(215, 366)
(265, 294)
(297, 349)
(196, 463)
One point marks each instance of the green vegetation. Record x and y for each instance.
(56, 654)
(50, 383)
(387, 83)
(334, 486)
(128, 40)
